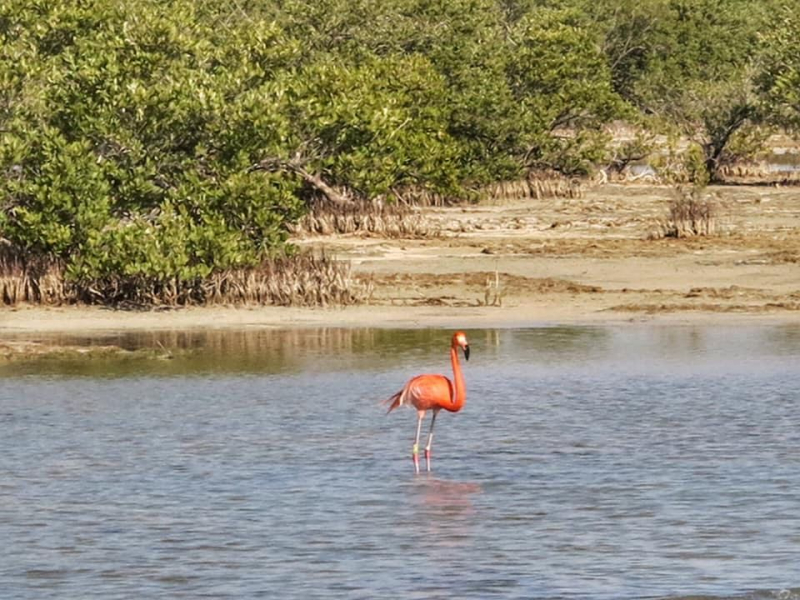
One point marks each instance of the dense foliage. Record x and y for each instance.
(779, 76)
(170, 139)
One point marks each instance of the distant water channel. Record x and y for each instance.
(610, 462)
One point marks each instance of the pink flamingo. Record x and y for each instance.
(434, 392)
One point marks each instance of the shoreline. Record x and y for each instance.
(523, 262)
(26, 322)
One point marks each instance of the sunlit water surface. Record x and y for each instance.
(636, 461)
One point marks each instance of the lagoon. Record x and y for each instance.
(594, 462)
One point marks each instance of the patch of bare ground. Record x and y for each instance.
(767, 247)
(596, 252)
(732, 299)
(477, 288)
(707, 307)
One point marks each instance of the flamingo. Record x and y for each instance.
(434, 392)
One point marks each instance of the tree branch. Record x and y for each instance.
(296, 165)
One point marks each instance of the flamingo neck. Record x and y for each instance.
(459, 388)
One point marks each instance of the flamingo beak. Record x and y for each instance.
(466, 351)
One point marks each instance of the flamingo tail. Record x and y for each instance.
(393, 402)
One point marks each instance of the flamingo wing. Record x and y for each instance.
(426, 392)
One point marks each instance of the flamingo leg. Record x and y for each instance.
(430, 441)
(415, 447)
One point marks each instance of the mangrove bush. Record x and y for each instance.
(168, 141)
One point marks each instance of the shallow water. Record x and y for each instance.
(632, 461)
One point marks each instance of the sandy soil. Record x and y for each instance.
(597, 257)
(527, 262)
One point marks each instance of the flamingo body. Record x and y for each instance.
(426, 392)
(434, 393)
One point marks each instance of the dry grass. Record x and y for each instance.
(422, 197)
(366, 218)
(302, 280)
(536, 185)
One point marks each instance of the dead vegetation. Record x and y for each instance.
(693, 212)
(371, 218)
(305, 279)
(536, 186)
(400, 214)
(31, 279)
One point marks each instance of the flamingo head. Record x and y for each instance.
(460, 340)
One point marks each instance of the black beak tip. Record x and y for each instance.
(466, 352)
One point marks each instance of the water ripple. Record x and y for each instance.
(590, 463)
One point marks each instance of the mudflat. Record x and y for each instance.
(522, 262)
(601, 256)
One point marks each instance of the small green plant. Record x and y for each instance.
(694, 162)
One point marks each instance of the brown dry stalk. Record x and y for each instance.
(31, 279)
(691, 213)
(399, 216)
(301, 280)
(367, 218)
(537, 186)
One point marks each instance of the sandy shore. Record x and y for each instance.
(530, 262)
(27, 322)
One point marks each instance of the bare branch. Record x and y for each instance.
(296, 165)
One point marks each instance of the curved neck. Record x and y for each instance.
(459, 389)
